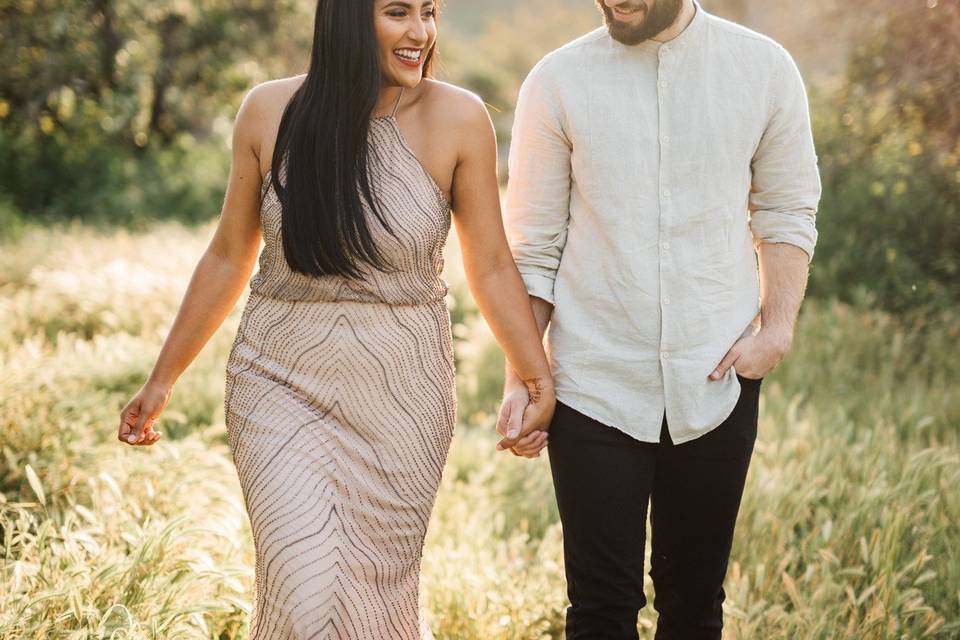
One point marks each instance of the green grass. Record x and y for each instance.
(848, 529)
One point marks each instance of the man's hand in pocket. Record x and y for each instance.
(755, 356)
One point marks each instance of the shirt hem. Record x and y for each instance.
(706, 430)
(604, 421)
(607, 423)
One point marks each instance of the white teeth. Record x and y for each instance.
(408, 54)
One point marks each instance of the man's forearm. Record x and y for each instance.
(542, 311)
(783, 280)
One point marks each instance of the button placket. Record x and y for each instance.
(663, 82)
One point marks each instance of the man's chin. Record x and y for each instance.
(655, 19)
(626, 34)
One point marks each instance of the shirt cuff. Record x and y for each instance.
(539, 285)
(788, 228)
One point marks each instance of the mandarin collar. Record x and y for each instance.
(684, 37)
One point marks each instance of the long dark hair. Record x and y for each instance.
(323, 139)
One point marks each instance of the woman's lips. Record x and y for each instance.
(407, 61)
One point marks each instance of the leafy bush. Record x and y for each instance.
(119, 111)
(57, 178)
(889, 220)
(889, 142)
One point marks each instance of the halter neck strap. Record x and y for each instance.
(397, 105)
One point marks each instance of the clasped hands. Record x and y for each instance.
(525, 415)
(527, 408)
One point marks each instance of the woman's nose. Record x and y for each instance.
(418, 32)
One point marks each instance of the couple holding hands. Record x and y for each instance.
(659, 219)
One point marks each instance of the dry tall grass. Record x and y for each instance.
(850, 526)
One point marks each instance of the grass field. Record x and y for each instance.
(850, 526)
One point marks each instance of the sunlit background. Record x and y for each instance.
(115, 119)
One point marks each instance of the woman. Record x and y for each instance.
(340, 395)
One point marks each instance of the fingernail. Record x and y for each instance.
(131, 438)
(512, 434)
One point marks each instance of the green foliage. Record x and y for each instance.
(107, 108)
(890, 157)
(11, 221)
(107, 184)
(911, 55)
(848, 529)
(889, 221)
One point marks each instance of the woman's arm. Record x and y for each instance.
(491, 272)
(537, 201)
(217, 282)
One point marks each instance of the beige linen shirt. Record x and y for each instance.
(642, 180)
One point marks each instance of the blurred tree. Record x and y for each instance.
(911, 58)
(890, 159)
(157, 67)
(87, 84)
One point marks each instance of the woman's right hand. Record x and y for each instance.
(139, 415)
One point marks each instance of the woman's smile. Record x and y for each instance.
(409, 56)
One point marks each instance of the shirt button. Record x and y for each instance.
(666, 301)
(666, 193)
(664, 84)
(666, 245)
(665, 139)
(665, 354)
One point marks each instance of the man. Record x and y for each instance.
(653, 160)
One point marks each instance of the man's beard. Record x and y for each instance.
(663, 14)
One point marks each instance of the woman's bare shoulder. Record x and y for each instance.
(453, 108)
(273, 95)
(258, 119)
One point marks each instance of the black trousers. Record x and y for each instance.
(604, 480)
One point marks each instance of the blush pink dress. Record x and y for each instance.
(340, 404)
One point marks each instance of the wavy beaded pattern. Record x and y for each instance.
(340, 404)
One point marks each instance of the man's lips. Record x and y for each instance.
(627, 13)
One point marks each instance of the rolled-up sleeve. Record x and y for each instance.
(537, 206)
(785, 190)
